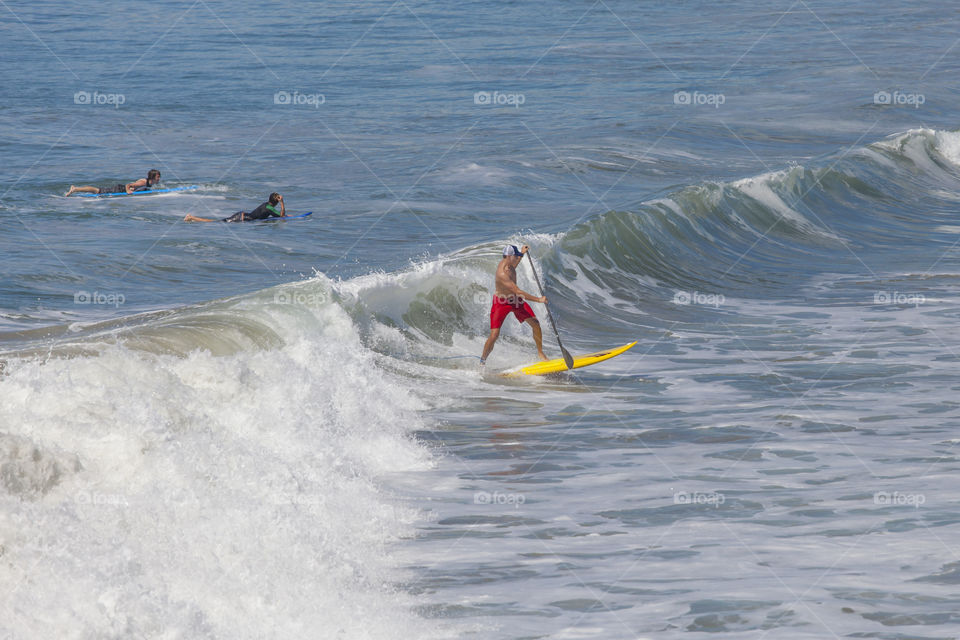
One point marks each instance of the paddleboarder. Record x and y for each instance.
(272, 208)
(509, 298)
(143, 184)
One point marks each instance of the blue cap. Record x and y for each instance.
(511, 250)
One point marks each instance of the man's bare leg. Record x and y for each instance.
(488, 346)
(537, 336)
(193, 218)
(74, 190)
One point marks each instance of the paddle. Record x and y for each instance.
(567, 358)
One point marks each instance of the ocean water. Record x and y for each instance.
(279, 430)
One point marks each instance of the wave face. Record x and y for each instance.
(759, 237)
(264, 444)
(214, 472)
(766, 237)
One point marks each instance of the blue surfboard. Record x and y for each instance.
(135, 193)
(290, 217)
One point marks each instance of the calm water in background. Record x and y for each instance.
(278, 430)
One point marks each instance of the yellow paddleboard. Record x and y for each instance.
(553, 366)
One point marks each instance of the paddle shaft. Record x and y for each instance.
(567, 358)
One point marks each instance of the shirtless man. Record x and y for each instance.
(509, 298)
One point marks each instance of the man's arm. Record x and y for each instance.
(283, 208)
(541, 299)
(133, 185)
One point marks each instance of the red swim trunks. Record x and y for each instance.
(502, 307)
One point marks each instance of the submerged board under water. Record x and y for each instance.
(291, 216)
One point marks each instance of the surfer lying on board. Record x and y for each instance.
(509, 298)
(272, 208)
(143, 184)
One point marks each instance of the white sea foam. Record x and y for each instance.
(236, 496)
(476, 174)
(918, 144)
(948, 144)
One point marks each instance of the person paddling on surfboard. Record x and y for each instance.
(143, 184)
(272, 208)
(509, 298)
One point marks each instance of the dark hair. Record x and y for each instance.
(153, 176)
(274, 198)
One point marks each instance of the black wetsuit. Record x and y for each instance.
(122, 188)
(264, 211)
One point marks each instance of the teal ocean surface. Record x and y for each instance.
(279, 429)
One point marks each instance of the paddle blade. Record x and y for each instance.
(567, 358)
